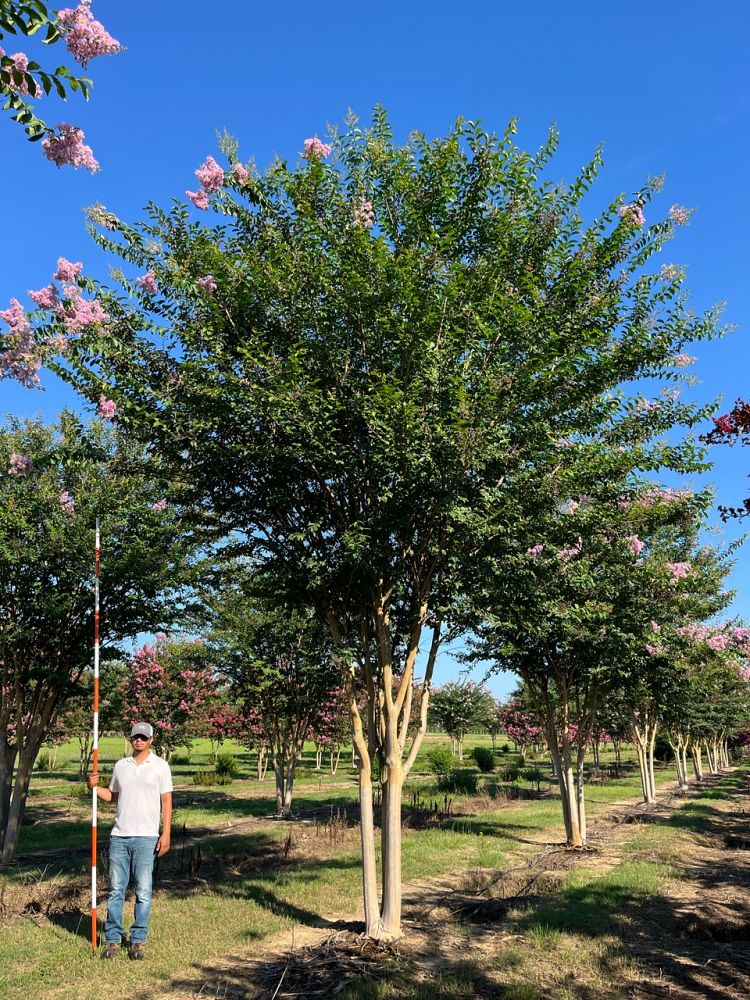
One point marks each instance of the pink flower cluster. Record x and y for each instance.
(67, 270)
(21, 62)
(679, 215)
(67, 148)
(79, 313)
(636, 545)
(147, 283)
(570, 551)
(159, 506)
(106, 408)
(20, 358)
(653, 650)
(211, 178)
(632, 214)
(20, 464)
(660, 495)
(85, 37)
(535, 551)
(239, 174)
(45, 298)
(678, 570)
(67, 502)
(315, 149)
(364, 214)
(682, 360)
(207, 283)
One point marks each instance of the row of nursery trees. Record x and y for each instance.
(412, 393)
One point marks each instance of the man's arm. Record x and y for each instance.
(162, 844)
(105, 794)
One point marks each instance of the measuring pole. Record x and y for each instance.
(95, 756)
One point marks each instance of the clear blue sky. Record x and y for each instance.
(664, 87)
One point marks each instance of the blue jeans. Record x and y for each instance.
(129, 856)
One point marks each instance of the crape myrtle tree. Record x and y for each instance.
(282, 674)
(74, 721)
(170, 684)
(367, 358)
(729, 429)
(570, 614)
(54, 481)
(459, 707)
(23, 80)
(520, 721)
(684, 585)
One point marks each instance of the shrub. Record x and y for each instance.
(485, 759)
(226, 764)
(505, 748)
(180, 757)
(462, 780)
(440, 762)
(211, 778)
(42, 762)
(509, 774)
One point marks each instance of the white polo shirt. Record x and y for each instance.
(139, 788)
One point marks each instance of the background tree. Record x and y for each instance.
(171, 685)
(23, 80)
(368, 366)
(54, 482)
(458, 708)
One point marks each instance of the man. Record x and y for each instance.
(141, 789)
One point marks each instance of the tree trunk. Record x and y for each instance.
(697, 760)
(17, 805)
(318, 756)
(335, 755)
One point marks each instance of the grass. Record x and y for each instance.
(243, 893)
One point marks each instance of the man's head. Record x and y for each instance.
(141, 735)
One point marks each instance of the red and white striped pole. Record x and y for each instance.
(95, 756)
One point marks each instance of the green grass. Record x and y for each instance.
(238, 899)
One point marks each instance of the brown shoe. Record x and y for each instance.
(111, 949)
(138, 950)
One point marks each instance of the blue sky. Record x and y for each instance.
(664, 87)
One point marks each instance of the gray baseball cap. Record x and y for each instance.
(142, 729)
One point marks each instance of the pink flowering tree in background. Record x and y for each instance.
(23, 81)
(521, 722)
(171, 687)
(331, 730)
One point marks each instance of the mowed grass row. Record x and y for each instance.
(240, 897)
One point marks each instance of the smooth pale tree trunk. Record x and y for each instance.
(283, 769)
(335, 756)
(17, 805)
(724, 754)
(384, 731)
(318, 757)
(697, 761)
(262, 763)
(644, 730)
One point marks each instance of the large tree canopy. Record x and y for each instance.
(375, 365)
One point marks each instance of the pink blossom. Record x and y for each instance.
(632, 213)
(20, 464)
(682, 360)
(570, 551)
(199, 199)
(678, 570)
(81, 313)
(106, 408)
(718, 641)
(636, 545)
(655, 627)
(21, 62)
(647, 404)
(67, 148)
(315, 149)
(679, 215)
(364, 214)
(160, 505)
(239, 173)
(15, 317)
(99, 215)
(210, 175)
(147, 282)
(59, 343)
(653, 650)
(208, 283)
(670, 272)
(45, 298)
(85, 37)
(67, 502)
(535, 551)
(66, 270)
